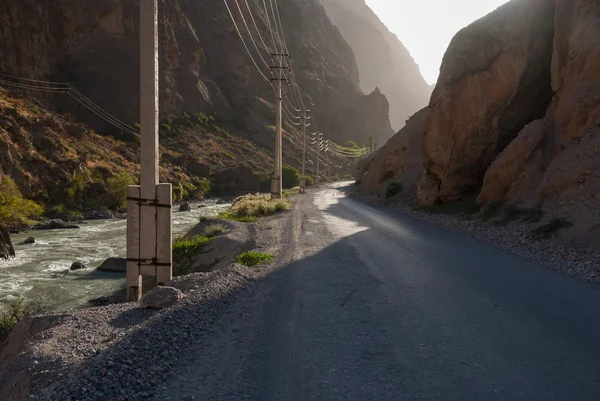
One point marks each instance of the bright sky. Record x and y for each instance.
(427, 26)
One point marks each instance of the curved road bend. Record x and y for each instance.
(370, 304)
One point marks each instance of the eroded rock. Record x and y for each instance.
(161, 297)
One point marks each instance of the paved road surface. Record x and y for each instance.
(369, 304)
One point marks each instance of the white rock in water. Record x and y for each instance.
(161, 297)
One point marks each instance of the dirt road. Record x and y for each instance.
(369, 304)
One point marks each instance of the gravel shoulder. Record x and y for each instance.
(515, 237)
(119, 352)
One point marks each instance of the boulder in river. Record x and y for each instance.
(185, 207)
(161, 297)
(113, 265)
(6, 248)
(77, 266)
(29, 240)
(99, 215)
(54, 225)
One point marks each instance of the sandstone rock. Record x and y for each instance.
(56, 224)
(185, 207)
(29, 240)
(399, 160)
(113, 265)
(6, 248)
(428, 190)
(510, 165)
(77, 266)
(494, 79)
(161, 297)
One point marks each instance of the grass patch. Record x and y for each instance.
(549, 229)
(253, 258)
(393, 188)
(12, 313)
(289, 192)
(251, 207)
(185, 248)
(214, 230)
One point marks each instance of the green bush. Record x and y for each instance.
(184, 248)
(253, 258)
(20, 308)
(214, 230)
(14, 209)
(254, 206)
(291, 177)
(309, 181)
(392, 189)
(117, 188)
(76, 186)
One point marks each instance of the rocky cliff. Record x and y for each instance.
(383, 61)
(204, 68)
(515, 116)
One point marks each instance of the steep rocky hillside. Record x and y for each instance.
(93, 45)
(382, 59)
(515, 117)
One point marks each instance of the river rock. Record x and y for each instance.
(161, 297)
(29, 240)
(113, 265)
(77, 266)
(6, 248)
(55, 224)
(99, 215)
(202, 206)
(185, 207)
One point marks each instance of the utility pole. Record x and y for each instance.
(319, 143)
(149, 228)
(327, 159)
(276, 180)
(304, 125)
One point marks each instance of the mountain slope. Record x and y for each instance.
(383, 61)
(204, 68)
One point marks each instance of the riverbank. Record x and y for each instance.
(120, 352)
(45, 264)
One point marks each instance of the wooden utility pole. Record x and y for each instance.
(276, 180)
(149, 228)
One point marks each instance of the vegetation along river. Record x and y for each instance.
(43, 268)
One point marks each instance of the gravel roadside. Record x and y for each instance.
(121, 352)
(514, 237)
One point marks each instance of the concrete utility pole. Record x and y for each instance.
(327, 159)
(319, 143)
(276, 180)
(149, 242)
(304, 126)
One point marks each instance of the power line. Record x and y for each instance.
(244, 42)
(237, 3)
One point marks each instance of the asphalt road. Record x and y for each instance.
(370, 304)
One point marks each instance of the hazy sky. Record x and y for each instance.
(427, 26)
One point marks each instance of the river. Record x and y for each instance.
(43, 267)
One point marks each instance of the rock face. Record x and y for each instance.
(400, 159)
(161, 297)
(494, 79)
(204, 67)
(383, 61)
(555, 161)
(6, 248)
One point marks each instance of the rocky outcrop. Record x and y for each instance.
(400, 159)
(113, 265)
(555, 162)
(6, 247)
(494, 79)
(94, 45)
(55, 224)
(383, 61)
